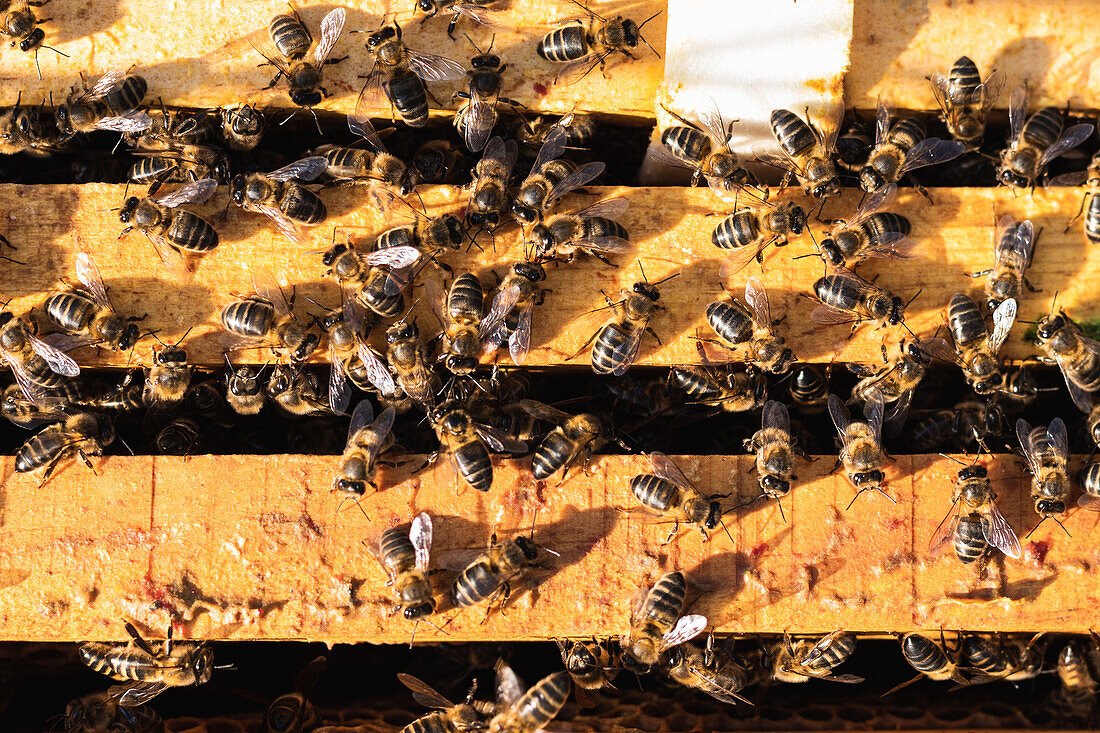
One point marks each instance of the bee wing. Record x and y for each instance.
(104, 85)
(581, 176)
(891, 246)
(664, 156)
(265, 286)
(305, 169)
(132, 121)
(401, 278)
(686, 629)
(883, 113)
(543, 411)
(59, 362)
(135, 693)
(989, 91)
(1059, 438)
(848, 679)
(87, 272)
(1081, 398)
(553, 145)
(576, 70)
(718, 692)
(370, 97)
(999, 533)
(1089, 503)
(931, 151)
(196, 192)
(1003, 318)
(504, 153)
(898, 411)
(1023, 434)
(1073, 178)
(741, 258)
(775, 416)
(290, 229)
(361, 416)
(840, 415)
(874, 410)
(666, 469)
(1070, 139)
(941, 90)
(777, 160)
(711, 122)
(626, 352)
(756, 295)
(498, 441)
(481, 118)
(830, 130)
(608, 208)
(437, 300)
(503, 303)
(331, 26)
(424, 693)
(430, 67)
(827, 315)
(260, 40)
(394, 257)
(945, 532)
(377, 373)
(381, 427)
(173, 259)
(420, 534)
(519, 342)
(1017, 111)
(510, 687)
(339, 389)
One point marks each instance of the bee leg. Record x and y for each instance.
(653, 333)
(1030, 287)
(983, 273)
(451, 26)
(334, 61)
(1081, 210)
(603, 259)
(274, 81)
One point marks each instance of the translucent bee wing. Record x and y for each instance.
(945, 532)
(574, 71)
(890, 246)
(1023, 434)
(840, 415)
(430, 67)
(58, 361)
(931, 151)
(132, 121)
(394, 257)
(1088, 502)
(305, 169)
(624, 354)
(989, 91)
(830, 129)
(1059, 438)
(941, 90)
(105, 84)
(882, 197)
(542, 411)
(847, 679)
(779, 160)
(424, 693)
(741, 258)
(331, 26)
(827, 315)
(1071, 138)
(361, 416)
(663, 467)
(756, 295)
(686, 629)
(381, 427)
(135, 693)
(710, 120)
(488, 17)
(1003, 318)
(196, 192)
(504, 153)
(606, 208)
(609, 244)
(775, 416)
(292, 230)
(420, 534)
(874, 411)
(1017, 111)
(1081, 398)
(999, 533)
(664, 156)
(519, 342)
(581, 176)
(480, 119)
(883, 112)
(1073, 178)
(898, 412)
(553, 145)
(499, 441)
(377, 372)
(359, 122)
(509, 686)
(503, 303)
(87, 272)
(265, 287)
(261, 42)
(306, 680)
(339, 389)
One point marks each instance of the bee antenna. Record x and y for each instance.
(1059, 522)
(120, 439)
(907, 303)
(476, 47)
(225, 666)
(316, 121)
(642, 270)
(311, 300)
(413, 637)
(801, 257)
(782, 516)
(675, 274)
(1039, 525)
(726, 530)
(952, 458)
(642, 38)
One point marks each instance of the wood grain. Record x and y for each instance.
(670, 229)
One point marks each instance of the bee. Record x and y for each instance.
(438, 161)
(296, 391)
(20, 24)
(520, 711)
(1079, 687)
(799, 661)
(168, 379)
(1089, 478)
(460, 315)
(1013, 661)
(279, 195)
(974, 523)
(178, 161)
(775, 450)
(580, 129)
(592, 665)
(509, 317)
(574, 437)
(847, 298)
(244, 390)
(1013, 250)
(293, 712)
(286, 45)
(895, 383)
(967, 426)
(657, 623)
(1035, 143)
(806, 151)
(853, 148)
(930, 659)
(176, 234)
(1090, 203)
(729, 390)
(872, 232)
(37, 366)
(751, 330)
(361, 283)
(489, 197)
(399, 72)
(265, 319)
(617, 341)
(111, 104)
(965, 100)
(28, 130)
(407, 249)
(712, 671)
(353, 360)
(406, 356)
(750, 230)
(975, 346)
(705, 148)
(1020, 389)
(242, 126)
(475, 10)
(490, 575)
(80, 435)
(1047, 454)
(1078, 356)
(861, 451)
(551, 177)
(374, 167)
(476, 119)
(148, 670)
(901, 148)
(467, 442)
(591, 230)
(88, 314)
(405, 557)
(582, 45)
(448, 717)
(809, 390)
(667, 495)
(165, 127)
(181, 437)
(367, 438)
(98, 712)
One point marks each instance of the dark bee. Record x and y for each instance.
(81, 434)
(930, 659)
(359, 282)
(591, 230)
(36, 366)
(861, 452)
(98, 713)
(476, 119)
(111, 104)
(847, 298)
(467, 443)
(975, 346)
(901, 148)
(381, 172)
(592, 665)
(88, 314)
(706, 150)
(751, 333)
(1047, 454)
(806, 150)
(667, 495)
(582, 45)
(406, 557)
(895, 382)
(616, 344)
(1090, 204)
(475, 10)
(871, 232)
(29, 130)
(1089, 478)
(801, 660)
(1010, 661)
(244, 389)
(367, 438)
(266, 318)
(575, 436)
(279, 195)
(729, 390)
(1077, 356)
(296, 391)
(749, 232)
(438, 161)
(242, 126)
(176, 161)
(509, 317)
(775, 450)
(490, 575)
(176, 234)
(974, 523)
(285, 46)
(168, 379)
(1013, 250)
(853, 147)
(447, 716)
(293, 712)
(460, 315)
(407, 358)
(715, 672)
(809, 390)
(580, 129)
(181, 437)
(550, 178)
(1077, 694)
(657, 623)
(527, 711)
(405, 250)
(1036, 142)
(20, 24)
(965, 100)
(353, 360)
(489, 197)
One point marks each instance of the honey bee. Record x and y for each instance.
(853, 148)
(460, 315)
(1013, 250)
(806, 150)
(181, 437)
(353, 360)
(111, 104)
(975, 346)
(657, 623)
(751, 331)
(930, 659)
(799, 661)
(405, 250)
(861, 451)
(618, 340)
(97, 712)
(168, 379)
(294, 712)
(476, 119)
(729, 390)
(80, 435)
(467, 442)
(592, 665)
(809, 390)
(489, 197)
(1009, 661)
(1035, 143)
(1090, 203)
(375, 167)
(550, 178)
(509, 317)
(242, 126)
(591, 230)
(895, 382)
(37, 366)
(176, 161)
(491, 574)
(448, 717)
(406, 356)
(520, 711)
(173, 127)
(974, 523)
(405, 557)
(750, 230)
(1089, 479)
(1047, 454)
(87, 314)
(574, 437)
(705, 148)
(148, 670)
(244, 390)
(1079, 687)
(177, 235)
(775, 449)
(367, 438)
(360, 282)
(475, 10)
(1077, 356)
(296, 391)
(286, 45)
(438, 161)
(847, 298)
(901, 148)
(265, 318)
(20, 24)
(872, 232)
(965, 100)
(279, 195)
(667, 495)
(399, 72)
(28, 130)
(712, 671)
(582, 45)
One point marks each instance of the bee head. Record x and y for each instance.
(773, 485)
(425, 5)
(332, 254)
(783, 363)
(355, 487)
(1050, 325)
(975, 471)
(126, 213)
(868, 478)
(914, 350)
(1048, 508)
(631, 33)
(830, 187)
(382, 35)
(523, 213)
(220, 171)
(170, 355)
(870, 179)
(461, 364)
(202, 666)
(529, 548)
(280, 381)
(401, 331)
(483, 219)
(714, 515)
(648, 290)
(6, 317)
(798, 220)
(236, 189)
(106, 430)
(988, 385)
(1010, 177)
(419, 610)
(129, 337)
(897, 311)
(308, 346)
(455, 230)
(306, 99)
(34, 40)
(64, 119)
(532, 271)
(485, 61)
